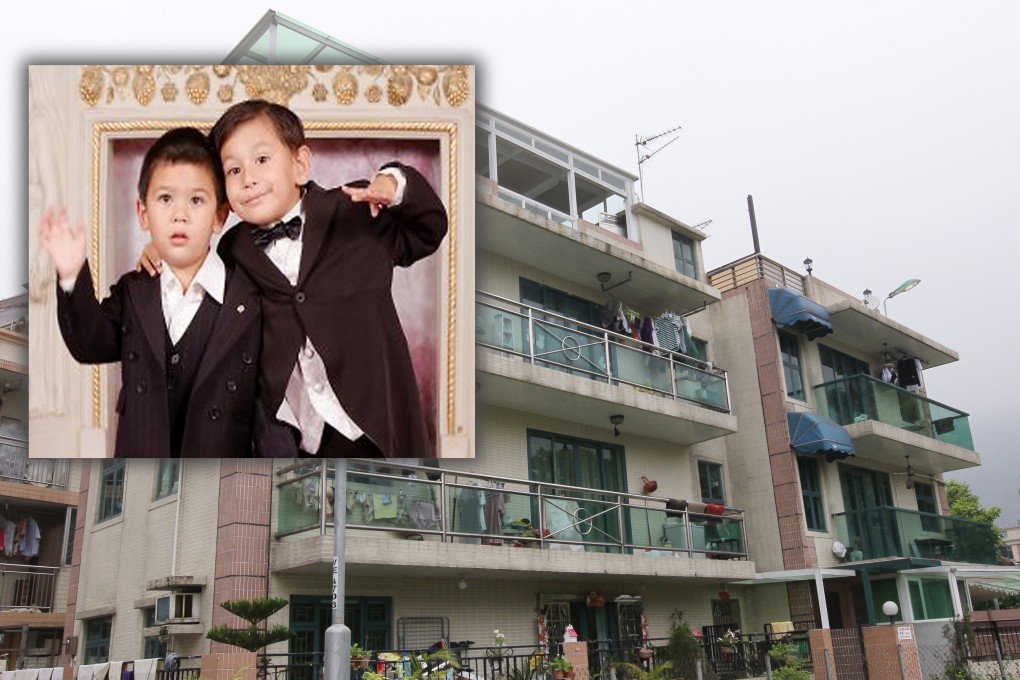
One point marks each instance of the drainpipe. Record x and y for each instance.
(177, 515)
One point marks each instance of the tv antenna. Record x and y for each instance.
(643, 153)
(701, 226)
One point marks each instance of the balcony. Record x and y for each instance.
(867, 329)
(888, 422)
(535, 355)
(440, 510)
(16, 466)
(25, 587)
(887, 532)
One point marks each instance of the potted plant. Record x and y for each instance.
(359, 656)
(560, 667)
(728, 642)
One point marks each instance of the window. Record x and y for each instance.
(70, 518)
(152, 646)
(711, 479)
(848, 400)
(97, 640)
(811, 491)
(111, 490)
(925, 495)
(789, 351)
(558, 459)
(168, 477)
(683, 256)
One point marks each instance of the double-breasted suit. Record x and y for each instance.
(343, 303)
(128, 326)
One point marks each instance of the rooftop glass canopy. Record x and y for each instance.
(278, 39)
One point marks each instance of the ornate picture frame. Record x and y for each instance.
(88, 129)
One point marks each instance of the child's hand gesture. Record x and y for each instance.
(64, 243)
(379, 194)
(149, 260)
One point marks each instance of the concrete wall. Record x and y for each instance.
(121, 554)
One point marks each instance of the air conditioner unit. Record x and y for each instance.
(178, 607)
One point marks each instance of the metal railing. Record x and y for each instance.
(897, 532)
(16, 466)
(556, 341)
(531, 662)
(862, 397)
(445, 504)
(27, 587)
(751, 268)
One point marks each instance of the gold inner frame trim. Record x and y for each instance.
(442, 130)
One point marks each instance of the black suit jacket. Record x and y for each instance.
(128, 327)
(343, 303)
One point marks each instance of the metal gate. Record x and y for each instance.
(848, 654)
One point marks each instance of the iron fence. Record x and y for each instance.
(984, 650)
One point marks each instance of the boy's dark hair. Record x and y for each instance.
(287, 124)
(183, 145)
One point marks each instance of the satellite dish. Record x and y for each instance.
(871, 300)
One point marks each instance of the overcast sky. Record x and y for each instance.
(878, 138)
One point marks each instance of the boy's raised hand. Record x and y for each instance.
(64, 243)
(379, 194)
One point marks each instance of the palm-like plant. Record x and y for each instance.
(252, 638)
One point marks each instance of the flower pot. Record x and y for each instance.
(558, 675)
(359, 663)
(645, 653)
(570, 674)
(726, 652)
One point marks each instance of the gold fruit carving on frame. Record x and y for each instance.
(372, 83)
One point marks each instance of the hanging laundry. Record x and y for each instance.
(909, 372)
(30, 542)
(668, 331)
(688, 338)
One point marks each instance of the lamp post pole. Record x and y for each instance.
(337, 655)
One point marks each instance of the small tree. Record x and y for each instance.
(252, 638)
(784, 654)
(683, 649)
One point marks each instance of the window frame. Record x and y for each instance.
(928, 524)
(811, 493)
(706, 469)
(793, 364)
(101, 624)
(681, 263)
(174, 465)
(110, 495)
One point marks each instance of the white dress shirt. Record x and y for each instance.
(310, 402)
(180, 306)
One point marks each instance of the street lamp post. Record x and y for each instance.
(336, 659)
(909, 284)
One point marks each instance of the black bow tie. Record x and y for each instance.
(265, 237)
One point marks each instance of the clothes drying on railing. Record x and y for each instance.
(21, 537)
(95, 671)
(910, 373)
(495, 509)
(472, 513)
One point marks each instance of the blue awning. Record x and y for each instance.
(812, 433)
(792, 309)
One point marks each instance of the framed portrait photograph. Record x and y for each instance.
(90, 130)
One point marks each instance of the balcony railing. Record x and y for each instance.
(861, 397)
(751, 268)
(883, 532)
(27, 587)
(447, 505)
(16, 466)
(559, 342)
